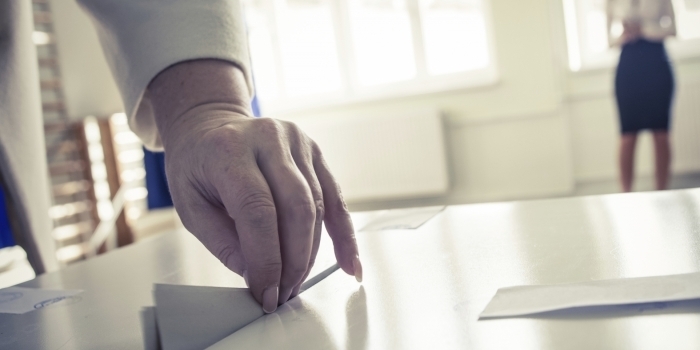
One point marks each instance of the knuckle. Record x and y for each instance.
(265, 269)
(320, 210)
(289, 126)
(225, 254)
(259, 209)
(228, 255)
(269, 127)
(315, 149)
(337, 205)
(303, 209)
(222, 136)
(295, 135)
(295, 272)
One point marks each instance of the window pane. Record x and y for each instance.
(596, 22)
(261, 51)
(687, 19)
(382, 41)
(454, 35)
(308, 47)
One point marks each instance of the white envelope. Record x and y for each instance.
(527, 300)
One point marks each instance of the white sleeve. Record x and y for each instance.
(141, 38)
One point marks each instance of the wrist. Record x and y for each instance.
(194, 92)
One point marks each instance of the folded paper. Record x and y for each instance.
(527, 300)
(195, 317)
(402, 219)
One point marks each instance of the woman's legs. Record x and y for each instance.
(627, 145)
(662, 149)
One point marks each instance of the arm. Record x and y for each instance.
(254, 191)
(669, 13)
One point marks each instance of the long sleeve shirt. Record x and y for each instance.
(142, 38)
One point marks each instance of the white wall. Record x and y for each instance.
(510, 140)
(536, 133)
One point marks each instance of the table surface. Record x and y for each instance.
(422, 288)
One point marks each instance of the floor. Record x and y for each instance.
(641, 184)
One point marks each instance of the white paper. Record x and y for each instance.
(194, 317)
(402, 219)
(526, 300)
(19, 300)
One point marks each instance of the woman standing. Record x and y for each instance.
(644, 80)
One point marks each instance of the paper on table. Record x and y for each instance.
(402, 219)
(527, 300)
(194, 317)
(19, 300)
(149, 328)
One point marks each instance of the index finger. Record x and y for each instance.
(337, 219)
(248, 200)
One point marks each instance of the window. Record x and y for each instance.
(587, 36)
(310, 53)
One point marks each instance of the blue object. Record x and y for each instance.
(156, 182)
(255, 106)
(6, 239)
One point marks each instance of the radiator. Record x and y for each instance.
(686, 128)
(383, 157)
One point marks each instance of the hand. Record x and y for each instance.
(254, 191)
(632, 32)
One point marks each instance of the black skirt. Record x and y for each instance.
(644, 87)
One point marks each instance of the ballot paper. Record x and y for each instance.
(527, 300)
(19, 300)
(402, 219)
(195, 317)
(149, 328)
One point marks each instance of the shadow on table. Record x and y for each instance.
(356, 310)
(617, 311)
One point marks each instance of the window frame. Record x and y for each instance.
(351, 91)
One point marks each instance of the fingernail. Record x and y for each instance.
(357, 266)
(270, 295)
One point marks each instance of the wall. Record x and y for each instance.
(510, 140)
(536, 133)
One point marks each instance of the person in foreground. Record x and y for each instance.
(644, 80)
(254, 191)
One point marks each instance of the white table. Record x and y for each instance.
(423, 288)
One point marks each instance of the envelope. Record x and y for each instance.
(528, 300)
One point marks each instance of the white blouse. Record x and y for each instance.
(655, 17)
